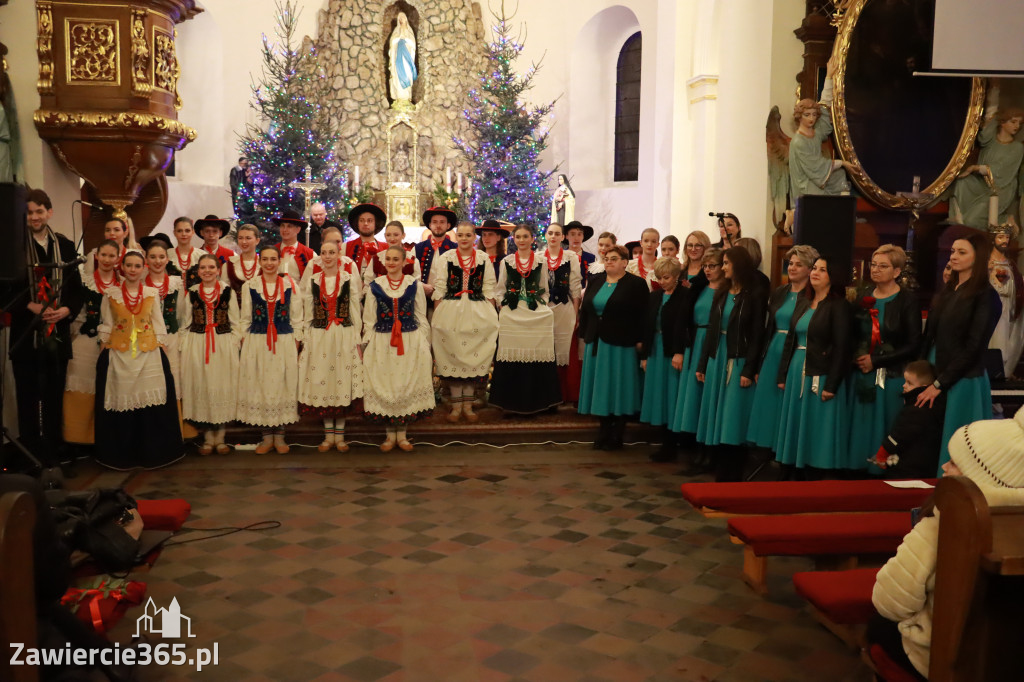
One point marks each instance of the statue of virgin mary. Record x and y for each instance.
(402, 50)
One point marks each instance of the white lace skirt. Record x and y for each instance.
(463, 336)
(564, 323)
(81, 377)
(268, 382)
(134, 382)
(209, 391)
(526, 335)
(330, 370)
(398, 385)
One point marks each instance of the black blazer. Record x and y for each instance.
(697, 283)
(744, 329)
(71, 295)
(901, 328)
(828, 341)
(620, 325)
(679, 305)
(959, 329)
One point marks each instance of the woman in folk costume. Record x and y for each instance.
(80, 386)
(393, 234)
(136, 407)
(564, 293)
(268, 370)
(331, 233)
(330, 368)
(464, 330)
(398, 387)
(494, 235)
(169, 288)
(121, 233)
(643, 265)
(184, 257)
(525, 378)
(244, 265)
(209, 338)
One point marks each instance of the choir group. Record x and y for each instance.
(692, 341)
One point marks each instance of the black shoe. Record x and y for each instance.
(665, 453)
(603, 439)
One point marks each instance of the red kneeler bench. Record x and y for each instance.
(841, 599)
(841, 538)
(801, 497)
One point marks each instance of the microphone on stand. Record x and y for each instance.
(86, 203)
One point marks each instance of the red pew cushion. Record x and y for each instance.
(164, 514)
(813, 534)
(801, 497)
(844, 597)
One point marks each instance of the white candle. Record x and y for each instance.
(355, 182)
(993, 209)
(448, 179)
(458, 183)
(469, 184)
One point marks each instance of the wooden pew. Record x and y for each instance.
(17, 590)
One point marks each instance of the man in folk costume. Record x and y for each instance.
(367, 220)
(295, 256)
(439, 221)
(575, 234)
(212, 229)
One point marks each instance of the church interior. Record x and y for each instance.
(509, 545)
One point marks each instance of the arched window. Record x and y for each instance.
(627, 110)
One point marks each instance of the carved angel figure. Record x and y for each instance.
(778, 165)
(810, 172)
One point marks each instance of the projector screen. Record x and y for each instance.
(984, 37)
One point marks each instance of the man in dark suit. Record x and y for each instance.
(41, 344)
(236, 178)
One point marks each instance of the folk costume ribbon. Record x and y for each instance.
(396, 330)
(210, 328)
(272, 302)
(330, 301)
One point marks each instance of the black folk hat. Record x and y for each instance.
(220, 223)
(588, 231)
(292, 218)
(440, 210)
(161, 239)
(491, 225)
(378, 215)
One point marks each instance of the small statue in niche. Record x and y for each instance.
(999, 162)
(810, 172)
(563, 202)
(1005, 277)
(402, 53)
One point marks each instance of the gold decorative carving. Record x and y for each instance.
(872, 191)
(91, 51)
(133, 167)
(110, 120)
(141, 85)
(44, 46)
(166, 68)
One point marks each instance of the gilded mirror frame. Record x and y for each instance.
(845, 145)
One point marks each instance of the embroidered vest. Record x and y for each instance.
(220, 313)
(454, 285)
(425, 255)
(170, 307)
(386, 309)
(90, 326)
(341, 306)
(125, 323)
(259, 313)
(558, 283)
(521, 288)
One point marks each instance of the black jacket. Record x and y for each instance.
(828, 341)
(744, 329)
(71, 295)
(620, 324)
(901, 328)
(679, 305)
(959, 329)
(916, 437)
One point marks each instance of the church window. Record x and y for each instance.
(627, 110)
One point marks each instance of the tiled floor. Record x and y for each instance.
(457, 564)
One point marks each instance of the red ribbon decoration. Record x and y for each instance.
(330, 301)
(876, 332)
(271, 304)
(211, 323)
(396, 330)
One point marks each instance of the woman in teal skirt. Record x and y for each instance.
(892, 340)
(814, 427)
(609, 327)
(690, 390)
(958, 332)
(728, 363)
(662, 338)
(764, 421)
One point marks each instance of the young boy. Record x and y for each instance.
(911, 450)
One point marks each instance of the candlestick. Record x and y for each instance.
(458, 182)
(469, 184)
(993, 209)
(448, 179)
(355, 181)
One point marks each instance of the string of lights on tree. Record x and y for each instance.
(510, 136)
(297, 131)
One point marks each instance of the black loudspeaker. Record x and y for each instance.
(13, 231)
(828, 224)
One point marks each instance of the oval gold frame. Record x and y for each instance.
(845, 145)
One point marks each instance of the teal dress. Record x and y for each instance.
(874, 420)
(764, 421)
(725, 405)
(611, 377)
(661, 382)
(813, 433)
(968, 400)
(688, 401)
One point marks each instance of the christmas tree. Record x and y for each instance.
(298, 131)
(507, 183)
